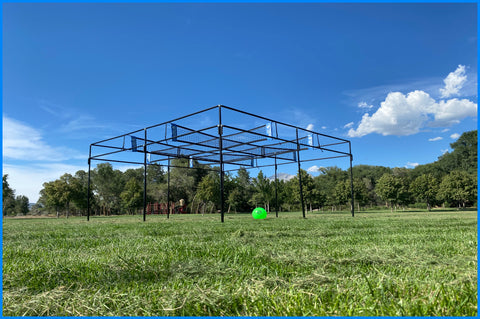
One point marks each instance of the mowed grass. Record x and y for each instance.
(378, 263)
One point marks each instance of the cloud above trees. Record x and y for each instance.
(406, 114)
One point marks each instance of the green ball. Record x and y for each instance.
(259, 213)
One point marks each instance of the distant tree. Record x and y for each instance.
(52, 196)
(182, 180)
(289, 195)
(263, 191)
(21, 205)
(36, 209)
(136, 174)
(234, 199)
(387, 188)
(208, 191)
(458, 187)
(360, 191)
(370, 175)
(79, 186)
(311, 195)
(108, 184)
(8, 198)
(61, 193)
(463, 157)
(425, 188)
(132, 195)
(326, 182)
(242, 184)
(341, 193)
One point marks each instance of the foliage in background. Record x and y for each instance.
(451, 181)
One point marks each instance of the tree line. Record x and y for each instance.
(450, 181)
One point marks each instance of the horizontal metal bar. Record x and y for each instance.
(117, 161)
(156, 125)
(289, 125)
(112, 138)
(182, 117)
(302, 161)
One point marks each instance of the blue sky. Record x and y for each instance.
(74, 74)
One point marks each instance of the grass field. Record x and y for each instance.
(378, 263)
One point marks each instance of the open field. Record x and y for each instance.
(378, 263)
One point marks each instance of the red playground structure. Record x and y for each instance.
(161, 208)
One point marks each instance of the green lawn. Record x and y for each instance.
(379, 263)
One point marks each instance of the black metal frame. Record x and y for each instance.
(210, 145)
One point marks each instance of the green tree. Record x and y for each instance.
(132, 196)
(311, 195)
(360, 192)
(182, 180)
(21, 205)
(342, 192)
(369, 176)
(108, 184)
(208, 191)
(458, 187)
(242, 185)
(57, 194)
(263, 191)
(425, 189)
(288, 192)
(326, 182)
(387, 188)
(79, 187)
(8, 198)
(463, 156)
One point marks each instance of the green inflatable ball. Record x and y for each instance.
(259, 213)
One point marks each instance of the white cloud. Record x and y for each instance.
(364, 105)
(348, 125)
(455, 136)
(454, 82)
(82, 123)
(23, 142)
(28, 180)
(452, 111)
(438, 138)
(397, 115)
(401, 114)
(445, 130)
(409, 164)
(310, 127)
(324, 127)
(407, 115)
(444, 151)
(313, 169)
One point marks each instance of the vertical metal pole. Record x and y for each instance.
(351, 178)
(145, 176)
(168, 190)
(300, 176)
(88, 184)
(276, 188)
(220, 145)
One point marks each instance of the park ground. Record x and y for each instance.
(379, 263)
